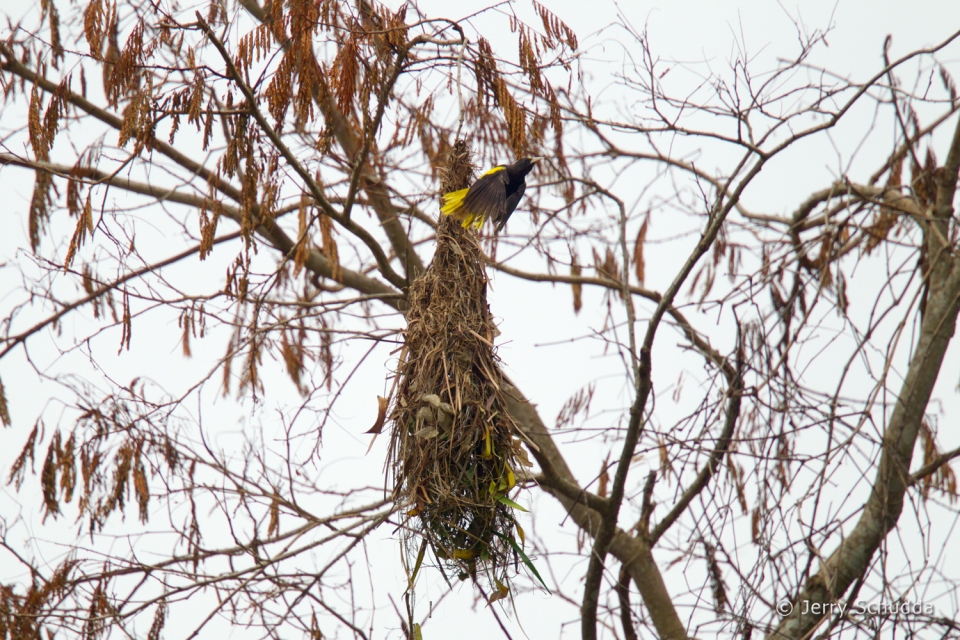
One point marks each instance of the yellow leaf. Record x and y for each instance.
(487, 445)
(502, 592)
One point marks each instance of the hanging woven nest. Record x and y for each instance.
(452, 450)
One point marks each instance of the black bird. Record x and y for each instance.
(495, 195)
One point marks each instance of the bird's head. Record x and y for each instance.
(523, 166)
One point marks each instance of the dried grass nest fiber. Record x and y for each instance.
(452, 451)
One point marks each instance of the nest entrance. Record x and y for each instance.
(453, 453)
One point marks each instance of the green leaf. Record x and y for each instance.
(524, 558)
(510, 503)
(416, 568)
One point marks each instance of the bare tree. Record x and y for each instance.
(769, 455)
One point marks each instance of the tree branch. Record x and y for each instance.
(316, 262)
(853, 556)
(632, 552)
(383, 262)
(373, 185)
(713, 463)
(20, 338)
(931, 468)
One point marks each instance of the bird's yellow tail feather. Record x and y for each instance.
(453, 206)
(472, 220)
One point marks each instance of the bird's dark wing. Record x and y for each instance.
(511, 204)
(487, 197)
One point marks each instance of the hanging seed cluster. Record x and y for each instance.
(453, 454)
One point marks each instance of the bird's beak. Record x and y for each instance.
(536, 160)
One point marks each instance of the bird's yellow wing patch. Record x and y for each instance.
(483, 199)
(453, 201)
